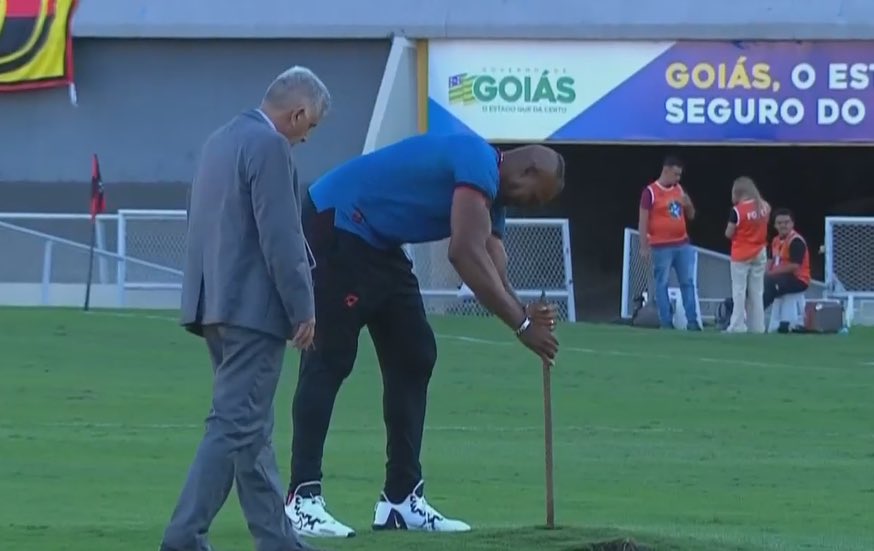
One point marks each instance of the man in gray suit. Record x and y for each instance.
(247, 289)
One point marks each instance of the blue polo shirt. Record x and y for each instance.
(403, 193)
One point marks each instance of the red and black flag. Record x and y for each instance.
(98, 201)
(36, 45)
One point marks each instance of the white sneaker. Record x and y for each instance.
(413, 513)
(308, 513)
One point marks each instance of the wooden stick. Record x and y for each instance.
(547, 433)
(547, 441)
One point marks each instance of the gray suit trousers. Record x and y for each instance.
(237, 446)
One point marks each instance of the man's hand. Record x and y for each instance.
(643, 250)
(540, 340)
(303, 336)
(642, 228)
(688, 207)
(783, 268)
(541, 313)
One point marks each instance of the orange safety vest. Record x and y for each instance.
(780, 254)
(667, 221)
(751, 234)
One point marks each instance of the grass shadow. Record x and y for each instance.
(563, 538)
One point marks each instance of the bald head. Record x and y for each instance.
(531, 175)
(296, 101)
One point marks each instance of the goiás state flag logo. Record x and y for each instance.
(36, 44)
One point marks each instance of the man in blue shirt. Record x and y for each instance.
(356, 219)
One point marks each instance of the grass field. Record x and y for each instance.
(682, 441)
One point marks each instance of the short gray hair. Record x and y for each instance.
(299, 84)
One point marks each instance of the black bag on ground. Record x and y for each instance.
(645, 314)
(647, 317)
(723, 314)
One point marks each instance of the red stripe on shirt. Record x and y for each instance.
(28, 8)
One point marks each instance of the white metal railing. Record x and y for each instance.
(150, 245)
(15, 223)
(542, 259)
(15, 218)
(712, 273)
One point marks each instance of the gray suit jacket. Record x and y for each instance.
(247, 262)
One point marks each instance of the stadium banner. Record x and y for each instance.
(36, 49)
(678, 92)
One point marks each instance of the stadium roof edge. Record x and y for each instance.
(511, 19)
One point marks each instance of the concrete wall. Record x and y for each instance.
(145, 106)
(571, 19)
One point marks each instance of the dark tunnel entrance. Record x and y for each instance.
(604, 183)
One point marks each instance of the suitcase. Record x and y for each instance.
(823, 317)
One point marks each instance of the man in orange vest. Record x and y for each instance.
(664, 209)
(789, 266)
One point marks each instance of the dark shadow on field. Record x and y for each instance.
(526, 539)
(560, 538)
(580, 539)
(622, 544)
